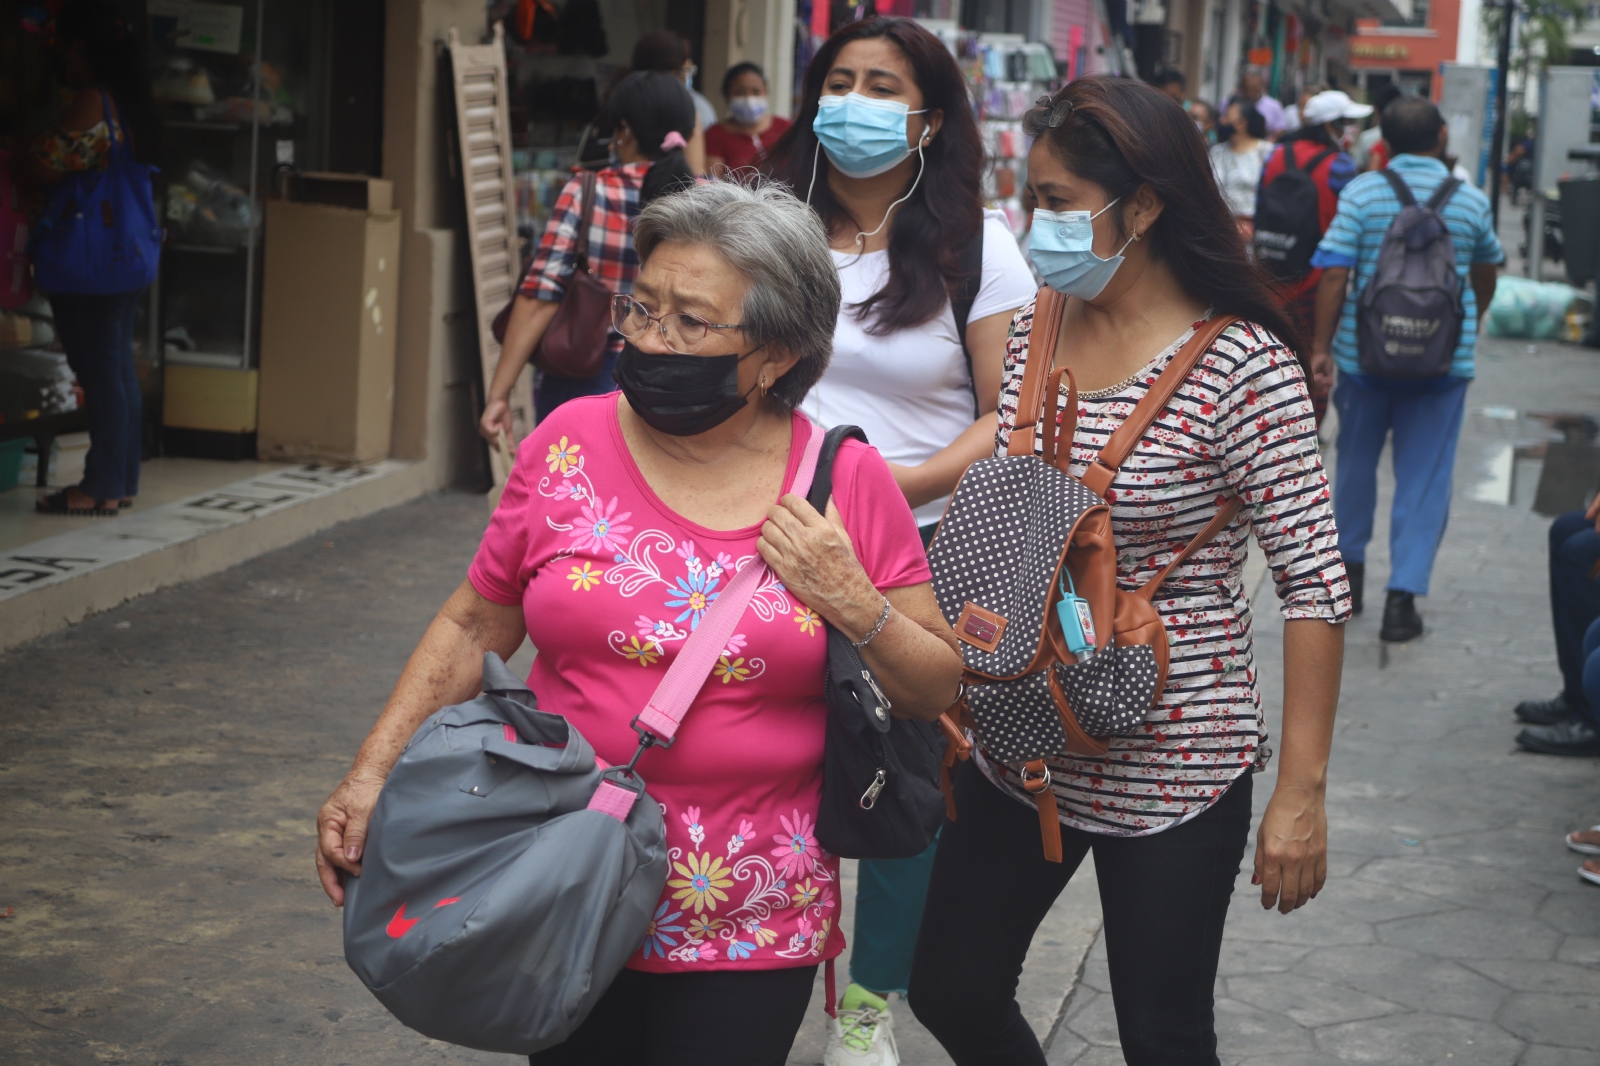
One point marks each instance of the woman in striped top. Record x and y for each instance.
(1167, 810)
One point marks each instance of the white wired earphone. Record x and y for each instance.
(922, 164)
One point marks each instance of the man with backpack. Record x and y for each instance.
(1424, 255)
(1300, 187)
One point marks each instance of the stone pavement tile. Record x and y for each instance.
(1580, 949)
(1307, 1001)
(1577, 911)
(1373, 901)
(1420, 1038)
(1460, 883)
(1092, 1017)
(1562, 1019)
(1066, 1048)
(1240, 957)
(1309, 1059)
(1520, 976)
(1419, 981)
(1241, 1026)
(1473, 934)
(1526, 845)
(1545, 1055)
(1095, 1056)
(1310, 926)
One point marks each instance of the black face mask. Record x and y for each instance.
(682, 395)
(1224, 132)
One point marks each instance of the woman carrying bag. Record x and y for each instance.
(98, 242)
(625, 519)
(887, 151)
(1134, 231)
(651, 116)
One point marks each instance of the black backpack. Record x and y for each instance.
(882, 795)
(1408, 320)
(1288, 218)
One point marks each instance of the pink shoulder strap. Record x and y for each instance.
(658, 723)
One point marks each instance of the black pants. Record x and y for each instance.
(1165, 898)
(689, 1019)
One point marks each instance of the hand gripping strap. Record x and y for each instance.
(688, 672)
(1103, 470)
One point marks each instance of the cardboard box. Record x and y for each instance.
(329, 291)
(209, 398)
(345, 190)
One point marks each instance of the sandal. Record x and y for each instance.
(1581, 847)
(56, 503)
(1591, 876)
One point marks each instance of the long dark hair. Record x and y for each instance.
(1121, 134)
(654, 103)
(945, 213)
(115, 55)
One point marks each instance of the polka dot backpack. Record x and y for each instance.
(1025, 568)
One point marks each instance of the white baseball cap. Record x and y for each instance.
(1331, 106)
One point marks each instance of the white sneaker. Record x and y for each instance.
(863, 1034)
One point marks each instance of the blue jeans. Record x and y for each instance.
(554, 390)
(1426, 426)
(1575, 606)
(97, 333)
(1591, 671)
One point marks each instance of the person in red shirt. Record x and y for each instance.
(741, 139)
(1330, 125)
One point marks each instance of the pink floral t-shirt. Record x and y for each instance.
(612, 582)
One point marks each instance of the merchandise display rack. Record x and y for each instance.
(1005, 73)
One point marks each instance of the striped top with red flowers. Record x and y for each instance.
(1241, 424)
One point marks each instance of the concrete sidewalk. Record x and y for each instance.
(1452, 928)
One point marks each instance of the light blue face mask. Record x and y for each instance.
(863, 137)
(1061, 245)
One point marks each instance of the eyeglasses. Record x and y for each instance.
(1059, 110)
(682, 332)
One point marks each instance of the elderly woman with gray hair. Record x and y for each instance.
(624, 517)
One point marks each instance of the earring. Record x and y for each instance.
(1137, 235)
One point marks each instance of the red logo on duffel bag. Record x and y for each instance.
(400, 925)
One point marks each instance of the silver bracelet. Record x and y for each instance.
(883, 620)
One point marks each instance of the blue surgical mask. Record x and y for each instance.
(863, 137)
(747, 109)
(1061, 245)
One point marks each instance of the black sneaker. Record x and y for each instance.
(1357, 573)
(1544, 712)
(1400, 619)
(1571, 737)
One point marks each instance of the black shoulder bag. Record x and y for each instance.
(881, 795)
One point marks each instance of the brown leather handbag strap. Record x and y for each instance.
(1201, 539)
(1047, 310)
(1103, 470)
(580, 251)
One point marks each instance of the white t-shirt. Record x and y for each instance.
(911, 391)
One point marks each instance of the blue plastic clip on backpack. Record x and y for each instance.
(99, 233)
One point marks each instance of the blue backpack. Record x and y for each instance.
(99, 232)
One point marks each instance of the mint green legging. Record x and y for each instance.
(889, 898)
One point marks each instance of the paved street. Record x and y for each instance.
(161, 764)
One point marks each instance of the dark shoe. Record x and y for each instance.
(1357, 573)
(1572, 737)
(1545, 712)
(1400, 619)
(56, 503)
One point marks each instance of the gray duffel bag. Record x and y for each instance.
(494, 907)
(508, 874)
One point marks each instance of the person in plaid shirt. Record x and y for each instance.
(651, 116)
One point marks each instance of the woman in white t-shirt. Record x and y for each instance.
(886, 151)
(1238, 158)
